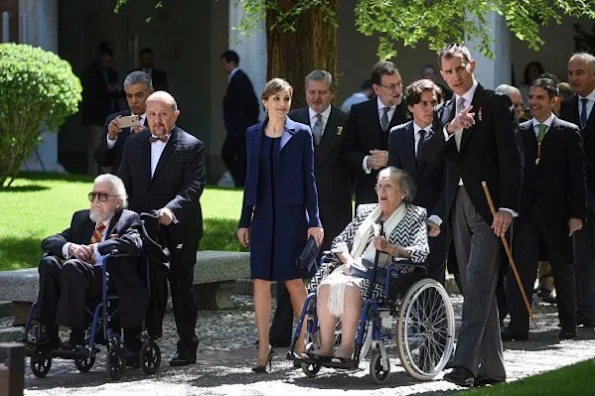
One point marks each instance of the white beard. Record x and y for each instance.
(97, 217)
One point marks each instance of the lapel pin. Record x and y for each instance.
(339, 130)
(113, 236)
(479, 115)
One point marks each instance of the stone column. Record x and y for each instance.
(39, 27)
(493, 72)
(252, 49)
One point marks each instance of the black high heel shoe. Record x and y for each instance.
(263, 368)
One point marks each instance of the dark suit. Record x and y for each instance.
(487, 153)
(98, 103)
(112, 157)
(429, 179)
(177, 184)
(552, 192)
(585, 238)
(363, 133)
(333, 180)
(158, 78)
(240, 111)
(63, 288)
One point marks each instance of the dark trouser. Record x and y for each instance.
(181, 277)
(281, 328)
(584, 258)
(233, 154)
(437, 258)
(63, 290)
(479, 347)
(529, 231)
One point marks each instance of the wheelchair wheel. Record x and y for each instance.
(85, 364)
(115, 363)
(40, 365)
(425, 329)
(310, 369)
(150, 357)
(379, 373)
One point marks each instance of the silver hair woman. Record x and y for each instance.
(340, 293)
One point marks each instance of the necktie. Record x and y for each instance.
(98, 233)
(317, 129)
(384, 119)
(584, 117)
(420, 145)
(460, 104)
(542, 131)
(459, 133)
(153, 139)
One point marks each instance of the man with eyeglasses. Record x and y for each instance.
(517, 99)
(366, 140)
(68, 276)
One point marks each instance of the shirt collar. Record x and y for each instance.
(469, 94)
(381, 105)
(234, 71)
(417, 128)
(547, 122)
(591, 96)
(325, 114)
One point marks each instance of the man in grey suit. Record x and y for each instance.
(477, 144)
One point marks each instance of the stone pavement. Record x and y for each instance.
(227, 353)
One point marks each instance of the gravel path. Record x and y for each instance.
(227, 353)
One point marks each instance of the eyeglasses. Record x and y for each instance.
(103, 197)
(519, 104)
(391, 87)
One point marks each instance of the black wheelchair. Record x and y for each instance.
(419, 308)
(101, 316)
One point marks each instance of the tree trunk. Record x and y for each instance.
(292, 55)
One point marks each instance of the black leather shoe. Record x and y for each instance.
(585, 322)
(567, 334)
(460, 376)
(509, 335)
(485, 381)
(183, 358)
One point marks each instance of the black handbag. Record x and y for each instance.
(307, 258)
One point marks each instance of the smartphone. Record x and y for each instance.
(128, 121)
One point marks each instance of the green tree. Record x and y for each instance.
(38, 91)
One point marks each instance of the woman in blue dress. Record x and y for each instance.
(280, 208)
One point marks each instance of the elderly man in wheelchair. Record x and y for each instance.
(71, 274)
(375, 252)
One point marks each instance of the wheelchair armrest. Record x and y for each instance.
(406, 266)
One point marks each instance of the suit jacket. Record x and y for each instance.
(240, 105)
(333, 175)
(295, 181)
(158, 78)
(363, 133)
(428, 176)
(122, 234)
(97, 102)
(569, 112)
(488, 153)
(112, 157)
(557, 184)
(177, 183)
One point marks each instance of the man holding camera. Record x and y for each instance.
(118, 126)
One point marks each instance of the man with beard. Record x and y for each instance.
(366, 134)
(163, 169)
(68, 277)
(137, 86)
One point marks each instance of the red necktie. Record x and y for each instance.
(153, 139)
(98, 233)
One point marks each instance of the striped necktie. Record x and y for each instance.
(98, 233)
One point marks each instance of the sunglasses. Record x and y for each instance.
(103, 197)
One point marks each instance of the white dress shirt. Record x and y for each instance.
(157, 148)
(323, 119)
(105, 231)
(390, 114)
(112, 143)
(547, 122)
(590, 104)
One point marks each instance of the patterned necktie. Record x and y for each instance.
(153, 139)
(317, 129)
(384, 120)
(420, 145)
(98, 233)
(459, 134)
(542, 131)
(584, 117)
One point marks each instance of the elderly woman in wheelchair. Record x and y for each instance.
(379, 236)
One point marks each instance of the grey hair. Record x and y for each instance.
(588, 58)
(405, 181)
(320, 75)
(165, 97)
(506, 89)
(117, 184)
(139, 77)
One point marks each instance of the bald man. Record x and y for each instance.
(163, 169)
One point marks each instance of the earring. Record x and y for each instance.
(266, 110)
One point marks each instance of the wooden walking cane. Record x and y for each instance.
(508, 252)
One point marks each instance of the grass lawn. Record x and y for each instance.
(578, 379)
(40, 204)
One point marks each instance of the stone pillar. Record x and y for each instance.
(252, 49)
(493, 72)
(39, 27)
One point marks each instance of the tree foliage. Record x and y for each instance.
(39, 90)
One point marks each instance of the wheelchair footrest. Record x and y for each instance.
(350, 364)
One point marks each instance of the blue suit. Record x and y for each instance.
(280, 199)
